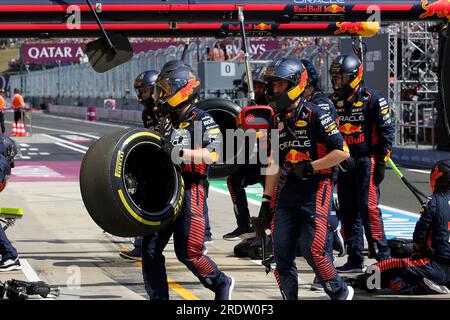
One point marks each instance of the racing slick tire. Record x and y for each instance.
(128, 186)
(224, 113)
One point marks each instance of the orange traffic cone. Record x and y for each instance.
(14, 130)
(21, 130)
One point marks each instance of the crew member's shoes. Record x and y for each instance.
(240, 233)
(350, 268)
(208, 239)
(10, 264)
(433, 288)
(134, 254)
(316, 285)
(338, 243)
(223, 292)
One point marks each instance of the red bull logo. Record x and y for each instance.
(364, 29)
(434, 176)
(441, 8)
(262, 27)
(334, 9)
(250, 118)
(237, 27)
(348, 128)
(295, 156)
(189, 89)
(303, 81)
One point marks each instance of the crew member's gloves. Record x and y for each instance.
(347, 165)
(378, 172)
(265, 213)
(301, 170)
(166, 147)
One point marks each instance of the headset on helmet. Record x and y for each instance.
(440, 176)
(313, 76)
(350, 71)
(292, 70)
(177, 85)
(146, 79)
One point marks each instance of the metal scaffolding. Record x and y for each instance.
(413, 63)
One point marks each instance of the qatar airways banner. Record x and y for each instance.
(71, 51)
(54, 52)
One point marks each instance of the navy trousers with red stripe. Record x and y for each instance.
(358, 202)
(237, 182)
(405, 275)
(302, 213)
(188, 237)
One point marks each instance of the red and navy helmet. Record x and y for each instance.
(176, 86)
(291, 70)
(313, 76)
(346, 73)
(440, 176)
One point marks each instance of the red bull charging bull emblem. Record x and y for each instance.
(295, 156)
(348, 128)
(250, 118)
(262, 27)
(364, 29)
(334, 9)
(189, 89)
(441, 8)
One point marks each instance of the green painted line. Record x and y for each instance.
(254, 192)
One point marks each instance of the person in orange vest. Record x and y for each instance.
(2, 114)
(18, 105)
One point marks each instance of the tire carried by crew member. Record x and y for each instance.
(128, 186)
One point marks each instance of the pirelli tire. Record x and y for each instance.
(128, 187)
(224, 113)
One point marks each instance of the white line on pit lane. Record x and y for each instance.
(86, 121)
(67, 131)
(69, 147)
(63, 131)
(32, 276)
(419, 171)
(76, 145)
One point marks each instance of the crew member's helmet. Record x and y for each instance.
(440, 176)
(145, 80)
(346, 74)
(291, 70)
(313, 76)
(176, 86)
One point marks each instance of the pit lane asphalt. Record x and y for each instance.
(64, 246)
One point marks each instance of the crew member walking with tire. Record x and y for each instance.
(144, 85)
(176, 94)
